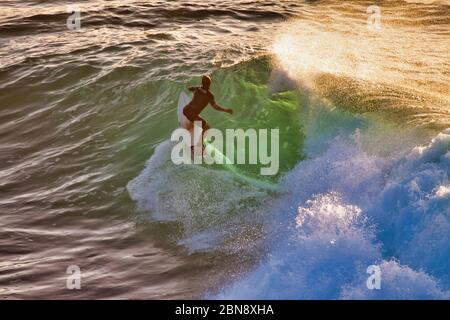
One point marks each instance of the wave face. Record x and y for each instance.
(364, 150)
(214, 205)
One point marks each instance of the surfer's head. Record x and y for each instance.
(206, 82)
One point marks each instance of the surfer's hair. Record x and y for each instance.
(206, 82)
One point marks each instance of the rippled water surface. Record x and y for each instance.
(85, 171)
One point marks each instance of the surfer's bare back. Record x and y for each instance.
(202, 97)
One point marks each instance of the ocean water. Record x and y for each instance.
(86, 177)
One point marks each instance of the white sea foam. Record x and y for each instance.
(348, 210)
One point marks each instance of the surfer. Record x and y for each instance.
(202, 97)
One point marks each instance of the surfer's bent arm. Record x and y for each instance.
(219, 108)
(192, 89)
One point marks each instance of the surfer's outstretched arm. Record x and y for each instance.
(219, 108)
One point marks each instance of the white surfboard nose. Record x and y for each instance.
(183, 101)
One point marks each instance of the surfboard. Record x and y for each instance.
(227, 164)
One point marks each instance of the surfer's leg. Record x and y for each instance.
(193, 118)
(205, 126)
